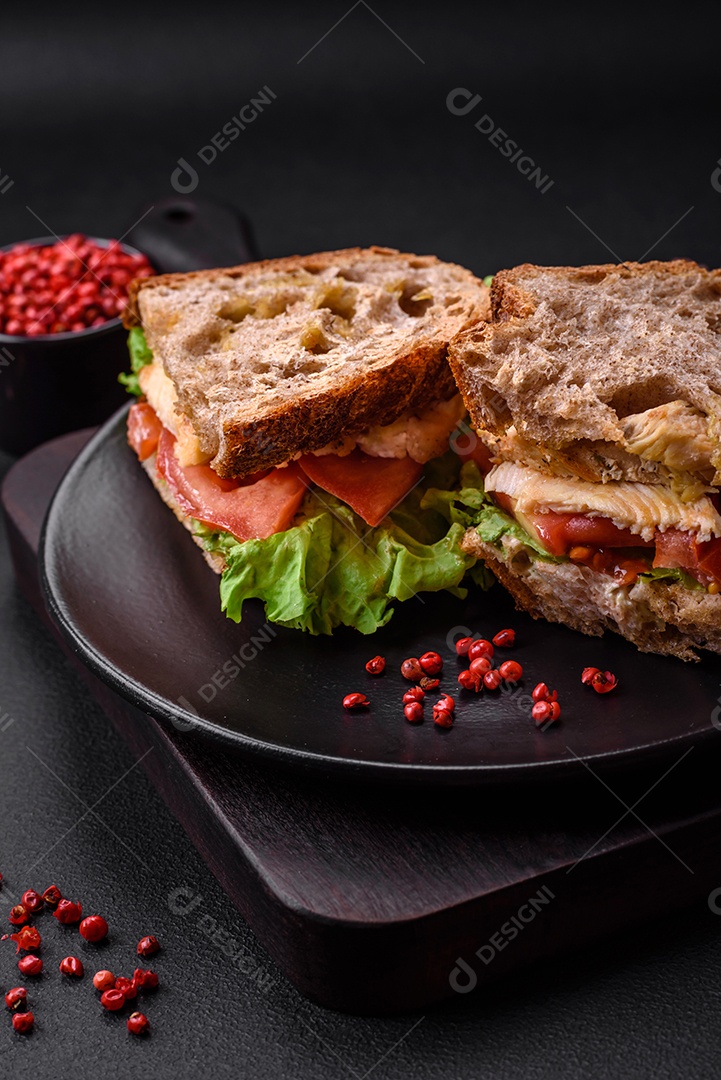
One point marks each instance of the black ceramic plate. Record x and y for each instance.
(132, 594)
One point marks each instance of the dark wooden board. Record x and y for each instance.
(366, 898)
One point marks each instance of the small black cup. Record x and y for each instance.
(53, 383)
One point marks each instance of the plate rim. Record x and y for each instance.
(157, 707)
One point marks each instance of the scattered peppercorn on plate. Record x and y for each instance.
(140, 609)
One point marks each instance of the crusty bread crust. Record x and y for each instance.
(313, 263)
(215, 562)
(259, 390)
(571, 350)
(657, 617)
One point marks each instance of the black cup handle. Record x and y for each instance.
(181, 233)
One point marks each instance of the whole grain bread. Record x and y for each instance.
(571, 351)
(288, 355)
(656, 616)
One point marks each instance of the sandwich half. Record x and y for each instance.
(296, 416)
(596, 393)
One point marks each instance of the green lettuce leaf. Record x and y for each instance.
(331, 569)
(471, 507)
(492, 524)
(671, 574)
(140, 355)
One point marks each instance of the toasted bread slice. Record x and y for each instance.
(282, 357)
(601, 374)
(656, 616)
(571, 352)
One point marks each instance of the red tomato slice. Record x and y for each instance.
(471, 448)
(677, 548)
(504, 501)
(560, 532)
(372, 486)
(624, 566)
(144, 429)
(626, 569)
(709, 560)
(249, 511)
